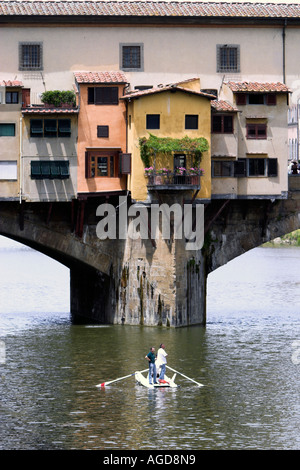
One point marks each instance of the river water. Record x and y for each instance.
(247, 357)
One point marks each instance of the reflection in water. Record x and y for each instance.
(250, 400)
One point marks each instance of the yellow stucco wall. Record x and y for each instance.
(172, 108)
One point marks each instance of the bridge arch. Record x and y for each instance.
(90, 261)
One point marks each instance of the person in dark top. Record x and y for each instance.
(152, 367)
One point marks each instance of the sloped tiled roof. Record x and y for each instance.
(100, 77)
(257, 87)
(160, 89)
(11, 83)
(149, 9)
(41, 110)
(224, 106)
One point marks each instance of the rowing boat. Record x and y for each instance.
(141, 379)
(167, 382)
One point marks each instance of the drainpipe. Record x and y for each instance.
(283, 51)
(21, 160)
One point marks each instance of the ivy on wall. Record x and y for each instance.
(168, 145)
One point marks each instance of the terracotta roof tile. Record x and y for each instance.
(150, 9)
(100, 77)
(224, 106)
(243, 87)
(11, 83)
(44, 110)
(160, 89)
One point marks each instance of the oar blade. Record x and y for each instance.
(104, 384)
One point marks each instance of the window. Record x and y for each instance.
(36, 128)
(256, 167)
(7, 130)
(222, 168)
(50, 169)
(103, 95)
(131, 57)
(256, 98)
(64, 127)
(102, 131)
(222, 123)
(30, 56)
(8, 170)
(179, 161)
(268, 99)
(152, 121)
(191, 121)
(228, 58)
(50, 128)
(101, 164)
(12, 97)
(256, 131)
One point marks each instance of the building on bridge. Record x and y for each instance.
(10, 124)
(249, 141)
(102, 159)
(176, 111)
(145, 45)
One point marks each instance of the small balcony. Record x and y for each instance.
(172, 180)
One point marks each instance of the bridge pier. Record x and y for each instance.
(165, 286)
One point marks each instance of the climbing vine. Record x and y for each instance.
(167, 145)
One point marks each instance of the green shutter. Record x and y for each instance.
(36, 128)
(7, 130)
(36, 170)
(64, 127)
(55, 169)
(45, 170)
(64, 169)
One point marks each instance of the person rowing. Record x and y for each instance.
(162, 361)
(152, 366)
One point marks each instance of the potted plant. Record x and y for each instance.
(149, 172)
(180, 175)
(57, 98)
(194, 174)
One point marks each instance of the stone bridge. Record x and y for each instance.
(145, 282)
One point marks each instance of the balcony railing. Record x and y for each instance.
(173, 180)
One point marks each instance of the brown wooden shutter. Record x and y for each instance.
(241, 98)
(25, 97)
(271, 99)
(125, 163)
(86, 164)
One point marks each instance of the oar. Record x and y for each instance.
(120, 378)
(199, 385)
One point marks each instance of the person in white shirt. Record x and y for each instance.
(162, 361)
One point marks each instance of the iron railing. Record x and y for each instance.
(172, 179)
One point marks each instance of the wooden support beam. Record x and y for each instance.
(214, 216)
(50, 207)
(80, 218)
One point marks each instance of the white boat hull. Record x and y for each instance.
(142, 380)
